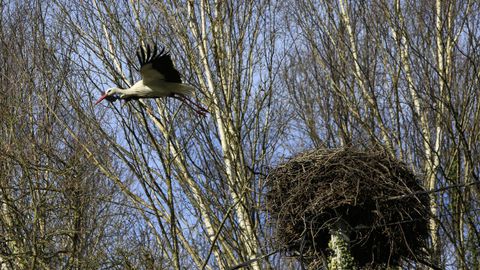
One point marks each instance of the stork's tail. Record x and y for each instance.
(184, 89)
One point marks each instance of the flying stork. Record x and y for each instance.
(159, 79)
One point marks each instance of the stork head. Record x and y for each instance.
(109, 95)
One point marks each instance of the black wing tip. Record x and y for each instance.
(160, 60)
(146, 54)
(140, 55)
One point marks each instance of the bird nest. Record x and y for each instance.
(376, 199)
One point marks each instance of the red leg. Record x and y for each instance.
(193, 105)
(196, 104)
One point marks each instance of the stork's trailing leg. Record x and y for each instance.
(199, 109)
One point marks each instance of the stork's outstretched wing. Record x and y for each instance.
(157, 65)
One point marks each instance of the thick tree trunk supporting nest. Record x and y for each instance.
(377, 197)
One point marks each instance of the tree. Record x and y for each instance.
(57, 209)
(199, 179)
(397, 75)
(182, 191)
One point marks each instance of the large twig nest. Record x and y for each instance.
(376, 198)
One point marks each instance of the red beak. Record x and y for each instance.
(101, 98)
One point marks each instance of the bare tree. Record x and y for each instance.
(57, 209)
(199, 181)
(400, 75)
(151, 185)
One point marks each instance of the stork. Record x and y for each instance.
(159, 79)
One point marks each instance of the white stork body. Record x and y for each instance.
(159, 79)
(153, 90)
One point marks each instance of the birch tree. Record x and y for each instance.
(198, 178)
(149, 184)
(397, 74)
